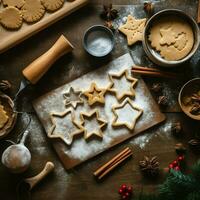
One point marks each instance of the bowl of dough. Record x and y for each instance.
(171, 37)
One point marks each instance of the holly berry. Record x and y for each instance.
(177, 168)
(175, 163)
(171, 166)
(180, 158)
(120, 191)
(124, 197)
(123, 187)
(129, 189)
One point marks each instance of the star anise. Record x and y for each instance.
(149, 166)
(156, 87)
(176, 128)
(5, 85)
(110, 25)
(162, 100)
(109, 13)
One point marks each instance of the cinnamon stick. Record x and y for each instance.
(114, 165)
(198, 13)
(98, 171)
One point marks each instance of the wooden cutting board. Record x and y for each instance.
(82, 150)
(12, 38)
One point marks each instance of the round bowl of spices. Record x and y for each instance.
(189, 98)
(98, 41)
(171, 37)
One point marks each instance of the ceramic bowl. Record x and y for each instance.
(188, 89)
(153, 54)
(98, 41)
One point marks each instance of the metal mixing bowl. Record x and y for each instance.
(153, 54)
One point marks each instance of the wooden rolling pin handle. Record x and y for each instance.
(33, 181)
(41, 65)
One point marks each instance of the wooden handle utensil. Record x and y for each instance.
(41, 65)
(33, 181)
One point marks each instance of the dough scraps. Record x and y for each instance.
(124, 85)
(15, 3)
(172, 37)
(95, 94)
(3, 117)
(32, 11)
(133, 29)
(127, 111)
(11, 18)
(96, 124)
(73, 97)
(52, 5)
(63, 127)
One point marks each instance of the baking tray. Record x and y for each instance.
(12, 38)
(82, 150)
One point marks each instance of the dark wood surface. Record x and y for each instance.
(79, 183)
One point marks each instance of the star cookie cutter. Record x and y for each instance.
(115, 122)
(55, 134)
(102, 123)
(73, 97)
(95, 94)
(133, 29)
(131, 91)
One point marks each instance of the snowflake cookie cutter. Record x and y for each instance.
(54, 134)
(132, 80)
(131, 126)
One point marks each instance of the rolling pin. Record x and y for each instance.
(34, 71)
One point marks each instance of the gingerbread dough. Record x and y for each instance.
(52, 5)
(15, 3)
(172, 37)
(11, 18)
(133, 29)
(3, 117)
(32, 11)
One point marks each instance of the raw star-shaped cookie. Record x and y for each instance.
(3, 117)
(32, 11)
(122, 84)
(133, 29)
(11, 18)
(126, 114)
(95, 94)
(73, 97)
(52, 5)
(92, 124)
(64, 126)
(15, 3)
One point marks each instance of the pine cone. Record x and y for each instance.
(162, 101)
(5, 85)
(149, 166)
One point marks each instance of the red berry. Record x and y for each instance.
(180, 158)
(129, 189)
(123, 187)
(127, 194)
(175, 163)
(120, 191)
(177, 168)
(171, 166)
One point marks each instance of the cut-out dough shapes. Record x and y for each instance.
(133, 29)
(64, 126)
(95, 94)
(92, 124)
(124, 85)
(126, 114)
(73, 97)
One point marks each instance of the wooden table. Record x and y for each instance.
(79, 184)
